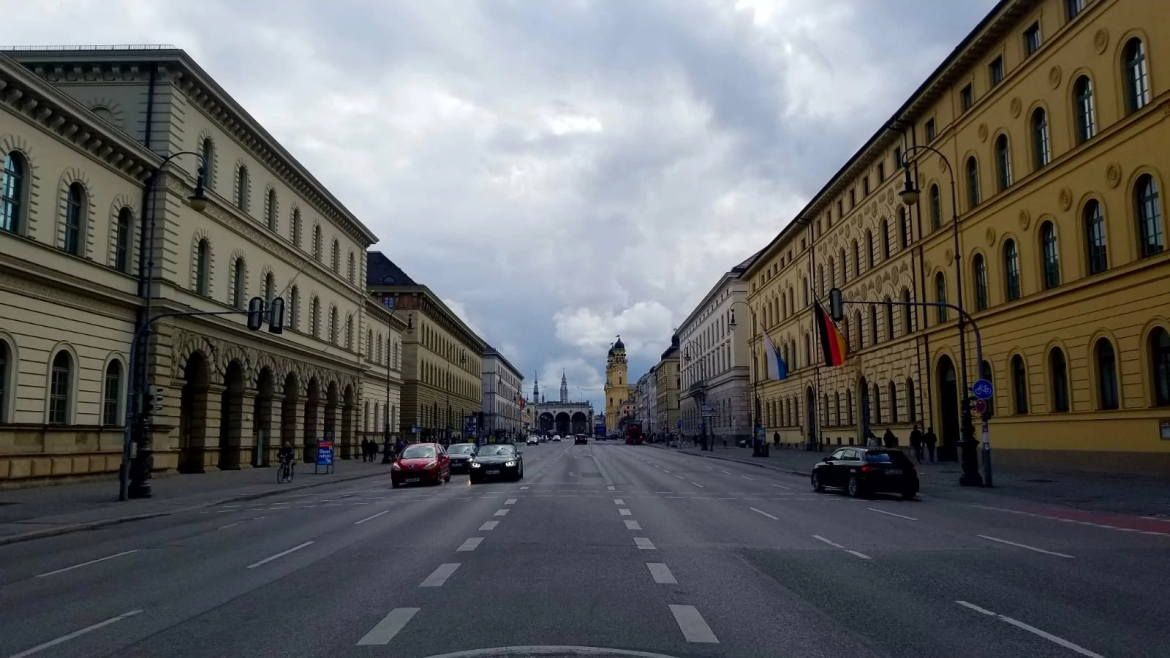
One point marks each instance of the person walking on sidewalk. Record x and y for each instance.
(916, 442)
(365, 450)
(931, 441)
(890, 439)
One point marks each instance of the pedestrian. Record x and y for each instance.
(890, 439)
(370, 448)
(916, 442)
(776, 440)
(871, 440)
(365, 450)
(399, 446)
(931, 441)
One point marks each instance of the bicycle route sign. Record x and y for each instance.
(982, 389)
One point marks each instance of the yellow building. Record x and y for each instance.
(668, 383)
(1054, 116)
(617, 385)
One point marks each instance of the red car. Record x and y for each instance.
(421, 463)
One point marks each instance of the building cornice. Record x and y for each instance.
(429, 304)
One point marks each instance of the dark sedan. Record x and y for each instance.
(497, 460)
(461, 455)
(863, 471)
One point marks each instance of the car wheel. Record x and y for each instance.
(816, 483)
(854, 487)
(394, 485)
(909, 495)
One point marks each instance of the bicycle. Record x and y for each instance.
(284, 472)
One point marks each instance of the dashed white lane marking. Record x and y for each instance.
(725, 472)
(644, 543)
(624, 512)
(836, 545)
(774, 518)
(489, 525)
(501, 512)
(619, 501)
(1032, 629)
(70, 636)
(510, 501)
(86, 564)
(1030, 548)
(440, 575)
(237, 505)
(691, 623)
(523, 488)
(900, 516)
(371, 518)
(471, 544)
(780, 486)
(663, 492)
(278, 555)
(386, 629)
(698, 485)
(633, 525)
(860, 555)
(661, 573)
(610, 488)
(225, 527)
(747, 477)
(665, 471)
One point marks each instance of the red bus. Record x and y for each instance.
(634, 434)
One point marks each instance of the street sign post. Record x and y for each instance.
(982, 389)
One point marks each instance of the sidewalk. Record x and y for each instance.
(53, 510)
(1122, 494)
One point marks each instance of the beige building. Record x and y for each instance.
(81, 133)
(667, 384)
(617, 386)
(1052, 118)
(502, 387)
(442, 359)
(382, 379)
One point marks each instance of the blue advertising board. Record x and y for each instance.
(325, 453)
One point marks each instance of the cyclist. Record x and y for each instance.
(286, 453)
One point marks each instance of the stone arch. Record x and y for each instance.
(314, 398)
(332, 404)
(194, 367)
(231, 415)
(348, 403)
(70, 176)
(262, 417)
(230, 352)
(562, 421)
(946, 378)
(290, 389)
(116, 116)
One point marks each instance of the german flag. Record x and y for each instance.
(832, 342)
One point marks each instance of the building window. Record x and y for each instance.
(1041, 148)
(1011, 270)
(1149, 216)
(1051, 255)
(12, 193)
(911, 412)
(1032, 39)
(903, 227)
(1160, 362)
(269, 287)
(865, 186)
(980, 267)
(1137, 80)
(940, 295)
(294, 230)
(1020, 384)
(123, 229)
(239, 277)
(889, 311)
(202, 256)
(930, 130)
(869, 249)
(60, 388)
(892, 394)
(1074, 7)
(907, 316)
(1003, 163)
(270, 212)
(881, 172)
(856, 259)
(208, 153)
(967, 96)
(349, 267)
(852, 199)
(1083, 109)
(935, 208)
(1095, 238)
(112, 394)
(877, 405)
(1059, 373)
(1106, 374)
(294, 308)
(858, 326)
(972, 183)
(335, 257)
(995, 71)
(4, 385)
(334, 329)
(75, 204)
(242, 188)
(315, 318)
(840, 208)
(317, 248)
(873, 326)
(897, 156)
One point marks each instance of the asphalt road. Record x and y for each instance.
(630, 548)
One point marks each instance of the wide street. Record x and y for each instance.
(636, 549)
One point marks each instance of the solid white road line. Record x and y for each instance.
(501, 512)
(1032, 629)
(510, 501)
(860, 555)
(780, 486)
(1030, 548)
(471, 544)
(388, 627)
(278, 555)
(371, 518)
(661, 573)
(644, 543)
(440, 575)
(633, 525)
(830, 543)
(900, 516)
(489, 525)
(698, 485)
(774, 518)
(619, 501)
(691, 623)
(86, 564)
(624, 512)
(66, 638)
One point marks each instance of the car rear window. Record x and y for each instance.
(886, 458)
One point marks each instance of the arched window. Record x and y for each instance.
(980, 267)
(12, 193)
(1058, 371)
(1020, 384)
(294, 229)
(1041, 146)
(294, 308)
(832, 273)
(892, 394)
(972, 183)
(1011, 270)
(821, 276)
(349, 268)
(911, 412)
(112, 395)
(239, 280)
(940, 295)
(887, 238)
(856, 260)
(5, 380)
(837, 409)
(1106, 374)
(75, 207)
(807, 351)
(1083, 109)
(1051, 255)
(876, 409)
(848, 407)
(1137, 81)
(269, 287)
(804, 296)
(1003, 163)
(857, 326)
(202, 258)
(317, 243)
(270, 211)
(1095, 237)
(889, 312)
(903, 227)
(873, 326)
(335, 257)
(315, 318)
(1149, 216)
(935, 208)
(60, 389)
(242, 188)
(208, 162)
(844, 267)
(123, 230)
(370, 344)
(1160, 366)
(349, 332)
(907, 313)
(868, 249)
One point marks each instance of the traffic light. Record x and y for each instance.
(255, 313)
(152, 401)
(276, 316)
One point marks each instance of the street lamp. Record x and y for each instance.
(694, 387)
(759, 447)
(910, 196)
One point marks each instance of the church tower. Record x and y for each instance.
(617, 385)
(564, 389)
(536, 388)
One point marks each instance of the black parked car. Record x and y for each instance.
(861, 471)
(497, 460)
(461, 455)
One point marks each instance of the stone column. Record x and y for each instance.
(274, 440)
(205, 444)
(247, 423)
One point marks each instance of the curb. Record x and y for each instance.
(778, 469)
(103, 523)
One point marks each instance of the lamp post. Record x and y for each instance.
(134, 473)
(759, 447)
(910, 195)
(696, 388)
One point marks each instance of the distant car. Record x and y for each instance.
(421, 463)
(580, 440)
(532, 440)
(461, 455)
(497, 461)
(863, 471)
(557, 439)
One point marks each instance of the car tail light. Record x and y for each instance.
(868, 469)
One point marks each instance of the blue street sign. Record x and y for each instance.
(982, 389)
(680, 424)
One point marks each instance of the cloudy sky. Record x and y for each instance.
(560, 171)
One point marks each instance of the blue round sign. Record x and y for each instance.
(982, 389)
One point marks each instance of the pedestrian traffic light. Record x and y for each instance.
(255, 313)
(276, 316)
